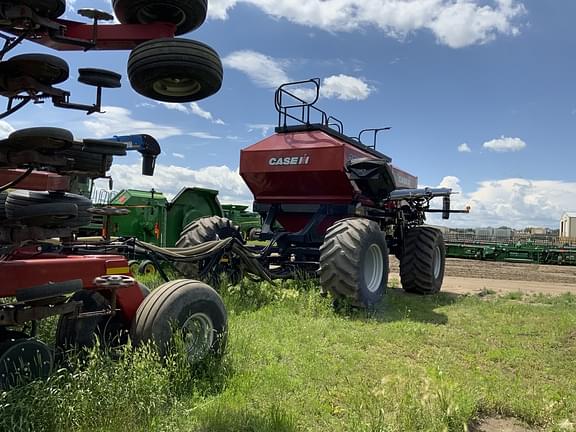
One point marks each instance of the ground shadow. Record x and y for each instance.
(225, 419)
(397, 305)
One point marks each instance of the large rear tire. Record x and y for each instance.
(175, 70)
(201, 231)
(188, 15)
(423, 262)
(354, 262)
(190, 307)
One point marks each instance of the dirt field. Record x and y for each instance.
(470, 276)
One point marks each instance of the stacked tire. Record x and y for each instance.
(171, 69)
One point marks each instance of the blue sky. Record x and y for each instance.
(481, 96)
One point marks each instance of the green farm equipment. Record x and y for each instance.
(517, 252)
(248, 222)
(152, 218)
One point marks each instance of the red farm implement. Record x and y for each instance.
(43, 272)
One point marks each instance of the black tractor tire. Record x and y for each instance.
(19, 204)
(40, 138)
(3, 196)
(186, 306)
(44, 68)
(86, 162)
(175, 70)
(188, 15)
(133, 265)
(201, 231)
(80, 333)
(45, 8)
(99, 78)
(354, 262)
(423, 262)
(254, 234)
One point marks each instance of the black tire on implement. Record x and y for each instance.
(188, 15)
(190, 307)
(44, 68)
(45, 138)
(423, 262)
(3, 196)
(79, 333)
(45, 8)
(354, 261)
(201, 231)
(175, 70)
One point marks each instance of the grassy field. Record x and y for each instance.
(295, 364)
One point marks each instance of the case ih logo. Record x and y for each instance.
(295, 160)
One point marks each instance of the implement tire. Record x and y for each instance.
(423, 262)
(187, 15)
(175, 70)
(188, 306)
(354, 261)
(201, 231)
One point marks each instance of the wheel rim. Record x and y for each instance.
(177, 87)
(198, 335)
(437, 262)
(149, 269)
(161, 12)
(373, 268)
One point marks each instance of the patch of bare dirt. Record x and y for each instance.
(475, 277)
(496, 424)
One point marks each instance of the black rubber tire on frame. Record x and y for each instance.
(18, 200)
(3, 196)
(99, 78)
(46, 8)
(201, 231)
(175, 70)
(79, 333)
(45, 138)
(420, 272)
(44, 68)
(84, 161)
(170, 306)
(188, 15)
(343, 256)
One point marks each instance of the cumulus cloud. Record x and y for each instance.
(119, 121)
(505, 144)
(5, 129)
(455, 23)
(513, 202)
(464, 148)
(269, 72)
(169, 179)
(191, 108)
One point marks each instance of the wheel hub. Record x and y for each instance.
(373, 268)
(177, 87)
(437, 262)
(161, 12)
(198, 336)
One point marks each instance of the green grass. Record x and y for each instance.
(295, 364)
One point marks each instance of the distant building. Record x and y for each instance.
(537, 231)
(568, 225)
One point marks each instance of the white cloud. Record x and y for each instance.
(119, 121)
(5, 129)
(178, 155)
(174, 106)
(464, 148)
(345, 87)
(204, 135)
(513, 202)
(269, 72)
(505, 144)
(197, 110)
(456, 23)
(261, 127)
(192, 108)
(265, 71)
(169, 179)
